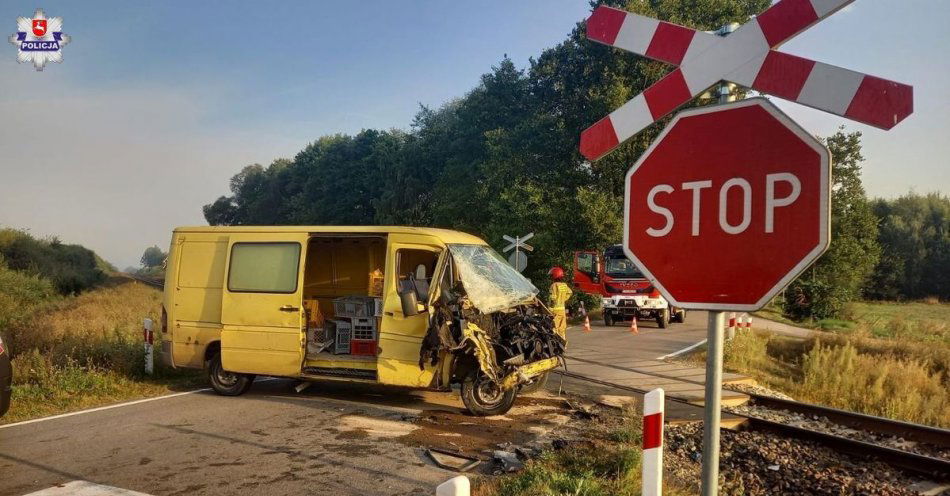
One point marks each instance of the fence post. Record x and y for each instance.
(147, 335)
(653, 442)
(456, 486)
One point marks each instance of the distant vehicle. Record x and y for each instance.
(6, 378)
(625, 290)
(401, 306)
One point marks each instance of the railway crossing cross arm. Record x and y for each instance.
(747, 57)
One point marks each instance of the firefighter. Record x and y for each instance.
(558, 296)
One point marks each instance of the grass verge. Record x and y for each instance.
(86, 351)
(607, 463)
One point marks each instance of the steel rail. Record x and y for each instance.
(908, 430)
(914, 432)
(143, 280)
(912, 462)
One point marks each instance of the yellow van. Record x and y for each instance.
(400, 306)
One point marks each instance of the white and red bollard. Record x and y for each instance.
(653, 442)
(731, 328)
(456, 486)
(149, 337)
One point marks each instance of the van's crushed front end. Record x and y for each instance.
(491, 329)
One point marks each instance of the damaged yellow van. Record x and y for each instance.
(399, 306)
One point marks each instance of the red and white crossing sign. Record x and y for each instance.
(746, 57)
(728, 205)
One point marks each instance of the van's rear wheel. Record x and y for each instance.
(608, 319)
(224, 382)
(483, 398)
(536, 384)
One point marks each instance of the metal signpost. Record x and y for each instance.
(736, 186)
(518, 259)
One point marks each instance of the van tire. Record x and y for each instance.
(608, 319)
(475, 395)
(535, 385)
(227, 383)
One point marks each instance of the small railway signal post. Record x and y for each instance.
(735, 187)
(518, 258)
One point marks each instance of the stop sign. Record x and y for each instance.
(728, 206)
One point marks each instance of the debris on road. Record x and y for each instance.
(505, 462)
(450, 460)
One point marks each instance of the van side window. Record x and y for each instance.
(264, 267)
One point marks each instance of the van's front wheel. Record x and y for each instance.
(483, 398)
(227, 383)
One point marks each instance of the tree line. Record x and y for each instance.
(503, 159)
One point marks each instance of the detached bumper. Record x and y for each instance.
(529, 371)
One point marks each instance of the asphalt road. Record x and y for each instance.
(334, 438)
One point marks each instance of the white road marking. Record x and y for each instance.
(84, 488)
(684, 350)
(119, 405)
(101, 408)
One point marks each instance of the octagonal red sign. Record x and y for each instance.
(728, 206)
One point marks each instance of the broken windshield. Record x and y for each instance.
(490, 282)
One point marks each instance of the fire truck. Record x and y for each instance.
(626, 292)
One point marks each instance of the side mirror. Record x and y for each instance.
(409, 302)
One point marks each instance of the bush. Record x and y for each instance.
(20, 294)
(71, 268)
(814, 300)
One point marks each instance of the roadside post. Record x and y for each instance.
(518, 259)
(731, 329)
(653, 411)
(736, 187)
(148, 337)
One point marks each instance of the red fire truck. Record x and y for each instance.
(625, 290)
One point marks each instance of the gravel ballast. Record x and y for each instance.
(756, 463)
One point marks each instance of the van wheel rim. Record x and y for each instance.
(488, 394)
(225, 378)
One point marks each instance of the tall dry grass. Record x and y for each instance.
(883, 385)
(86, 351)
(900, 380)
(100, 328)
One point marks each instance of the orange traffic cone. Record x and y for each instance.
(633, 326)
(586, 323)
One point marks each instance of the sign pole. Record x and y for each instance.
(710, 475)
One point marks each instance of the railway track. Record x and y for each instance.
(144, 280)
(909, 461)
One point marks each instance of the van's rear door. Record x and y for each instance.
(261, 308)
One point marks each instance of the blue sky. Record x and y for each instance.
(157, 104)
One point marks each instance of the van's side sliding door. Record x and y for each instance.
(261, 307)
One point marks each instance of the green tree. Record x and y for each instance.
(914, 235)
(153, 257)
(841, 273)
